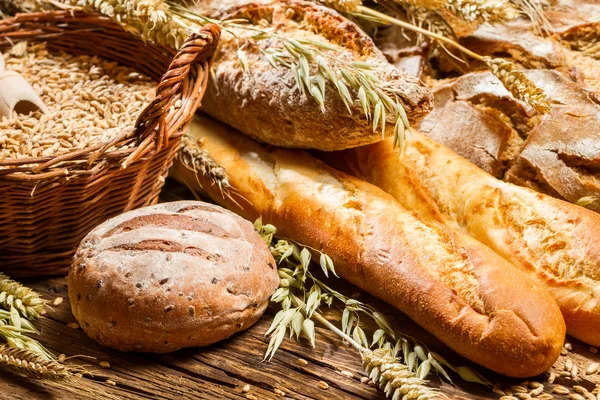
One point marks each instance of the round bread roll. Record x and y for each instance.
(169, 276)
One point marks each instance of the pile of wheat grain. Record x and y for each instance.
(90, 101)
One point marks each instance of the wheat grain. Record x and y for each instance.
(25, 362)
(518, 84)
(491, 11)
(26, 301)
(90, 101)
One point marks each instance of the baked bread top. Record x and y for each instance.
(170, 276)
(264, 101)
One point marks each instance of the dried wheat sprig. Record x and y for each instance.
(490, 11)
(25, 362)
(313, 64)
(513, 80)
(151, 19)
(25, 300)
(518, 84)
(296, 316)
(13, 330)
(199, 161)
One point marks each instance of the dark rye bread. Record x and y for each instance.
(174, 275)
(558, 154)
(265, 103)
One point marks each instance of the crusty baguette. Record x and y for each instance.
(556, 242)
(458, 289)
(265, 103)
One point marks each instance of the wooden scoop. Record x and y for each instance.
(16, 94)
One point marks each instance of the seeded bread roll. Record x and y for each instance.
(453, 286)
(174, 275)
(264, 102)
(555, 242)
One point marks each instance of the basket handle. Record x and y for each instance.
(196, 52)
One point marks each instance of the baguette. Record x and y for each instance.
(459, 290)
(556, 242)
(265, 102)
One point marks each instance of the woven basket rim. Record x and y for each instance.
(157, 123)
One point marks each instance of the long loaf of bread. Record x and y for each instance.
(556, 242)
(458, 289)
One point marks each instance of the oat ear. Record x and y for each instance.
(16, 94)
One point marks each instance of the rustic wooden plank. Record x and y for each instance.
(220, 371)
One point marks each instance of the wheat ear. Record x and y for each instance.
(26, 301)
(25, 362)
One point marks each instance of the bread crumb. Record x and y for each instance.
(279, 392)
(73, 325)
(302, 361)
(246, 389)
(323, 385)
(251, 397)
(57, 301)
(104, 364)
(62, 358)
(109, 382)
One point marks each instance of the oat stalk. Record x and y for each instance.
(25, 362)
(301, 296)
(26, 301)
(314, 64)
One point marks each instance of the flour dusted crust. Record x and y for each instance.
(458, 289)
(174, 275)
(265, 103)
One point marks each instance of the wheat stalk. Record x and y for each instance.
(25, 362)
(25, 300)
(400, 368)
(150, 19)
(512, 79)
(199, 161)
(491, 11)
(517, 83)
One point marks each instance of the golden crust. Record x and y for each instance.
(554, 241)
(458, 289)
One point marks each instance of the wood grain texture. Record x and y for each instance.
(220, 371)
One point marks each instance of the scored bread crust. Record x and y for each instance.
(174, 275)
(265, 103)
(552, 240)
(458, 289)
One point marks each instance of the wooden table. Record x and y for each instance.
(222, 370)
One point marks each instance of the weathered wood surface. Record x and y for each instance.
(221, 371)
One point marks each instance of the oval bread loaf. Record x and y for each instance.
(170, 276)
(453, 286)
(265, 102)
(554, 241)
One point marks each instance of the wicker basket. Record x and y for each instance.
(46, 210)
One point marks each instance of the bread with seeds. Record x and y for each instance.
(264, 101)
(555, 242)
(174, 275)
(453, 286)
